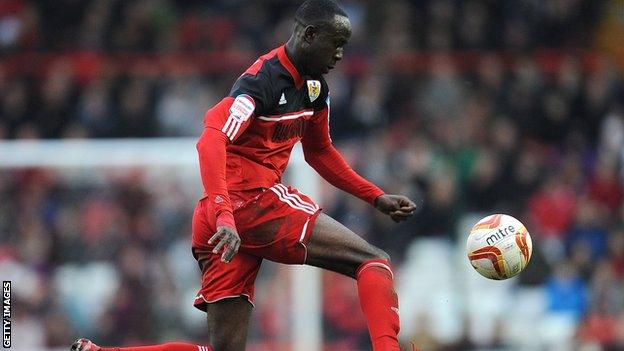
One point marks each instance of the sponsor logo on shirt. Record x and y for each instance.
(289, 129)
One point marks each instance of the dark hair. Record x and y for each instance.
(315, 11)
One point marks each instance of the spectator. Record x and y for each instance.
(567, 292)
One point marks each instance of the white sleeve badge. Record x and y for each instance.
(242, 108)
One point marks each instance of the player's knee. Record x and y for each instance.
(382, 255)
(374, 253)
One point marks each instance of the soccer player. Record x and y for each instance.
(247, 214)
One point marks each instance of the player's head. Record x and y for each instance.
(321, 31)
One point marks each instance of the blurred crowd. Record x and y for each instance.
(76, 68)
(475, 106)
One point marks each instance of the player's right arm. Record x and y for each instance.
(211, 148)
(223, 124)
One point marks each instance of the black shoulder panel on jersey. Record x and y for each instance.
(265, 86)
(257, 86)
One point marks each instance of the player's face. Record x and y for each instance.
(327, 47)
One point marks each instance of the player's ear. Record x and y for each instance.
(309, 33)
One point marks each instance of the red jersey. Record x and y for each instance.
(249, 135)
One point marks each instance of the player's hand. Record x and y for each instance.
(226, 238)
(398, 207)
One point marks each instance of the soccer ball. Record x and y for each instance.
(499, 247)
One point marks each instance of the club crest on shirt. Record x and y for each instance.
(314, 89)
(242, 108)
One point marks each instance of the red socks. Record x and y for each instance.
(170, 346)
(379, 303)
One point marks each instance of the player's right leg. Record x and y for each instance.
(226, 295)
(228, 322)
(227, 289)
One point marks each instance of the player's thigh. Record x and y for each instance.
(228, 322)
(335, 247)
(276, 224)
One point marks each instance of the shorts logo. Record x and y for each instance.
(314, 89)
(242, 108)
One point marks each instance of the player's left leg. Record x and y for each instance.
(334, 247)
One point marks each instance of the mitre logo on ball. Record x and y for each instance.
(499, 246)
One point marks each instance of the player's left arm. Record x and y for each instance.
(321, 154)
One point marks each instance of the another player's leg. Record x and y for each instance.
(334, 247)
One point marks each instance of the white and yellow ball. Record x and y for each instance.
(499, 246)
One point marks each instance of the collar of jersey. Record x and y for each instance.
(285, 61)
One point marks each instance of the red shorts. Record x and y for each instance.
(273, 223)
